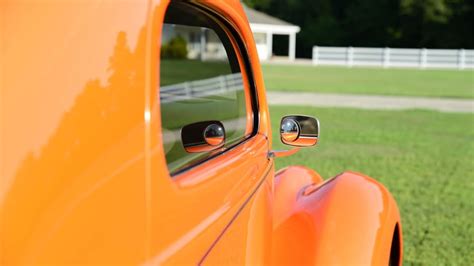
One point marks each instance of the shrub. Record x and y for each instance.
(176, 48)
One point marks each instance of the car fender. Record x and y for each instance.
(347, 220)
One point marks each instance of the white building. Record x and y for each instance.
(204, 44)
(264, 27)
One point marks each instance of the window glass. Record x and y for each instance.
(200, 80)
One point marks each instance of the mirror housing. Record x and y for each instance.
(203, 136)
(299, 130)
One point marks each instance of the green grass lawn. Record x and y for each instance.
(402, 82)
(174, 71)
(425, 158)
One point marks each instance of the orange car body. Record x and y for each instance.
(83, 173)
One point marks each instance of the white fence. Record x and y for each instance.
(393, 57)
(201, 88)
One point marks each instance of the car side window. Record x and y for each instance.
(201, 80)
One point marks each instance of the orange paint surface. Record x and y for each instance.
(83, 173)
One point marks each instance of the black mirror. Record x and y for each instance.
(299, 130)
(203, 136)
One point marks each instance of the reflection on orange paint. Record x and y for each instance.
(306, 141)
(289, 137)
(214, 141)
(83, 173)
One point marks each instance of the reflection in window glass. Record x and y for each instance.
(200, 80)
(260, 38)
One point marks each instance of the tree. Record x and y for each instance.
(395, 23)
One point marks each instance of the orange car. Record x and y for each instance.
(138, 132)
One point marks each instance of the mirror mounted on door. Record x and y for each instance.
(299, 130)
(203, 136)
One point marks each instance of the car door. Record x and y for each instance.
(211, 204)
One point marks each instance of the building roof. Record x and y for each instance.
(257, 17)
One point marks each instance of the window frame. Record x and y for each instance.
(241, 52)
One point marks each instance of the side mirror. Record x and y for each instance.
(203, 136)
(299, 130)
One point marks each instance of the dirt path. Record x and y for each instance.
(370, 101)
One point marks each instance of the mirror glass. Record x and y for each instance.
(203, 136)
(299, 130)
